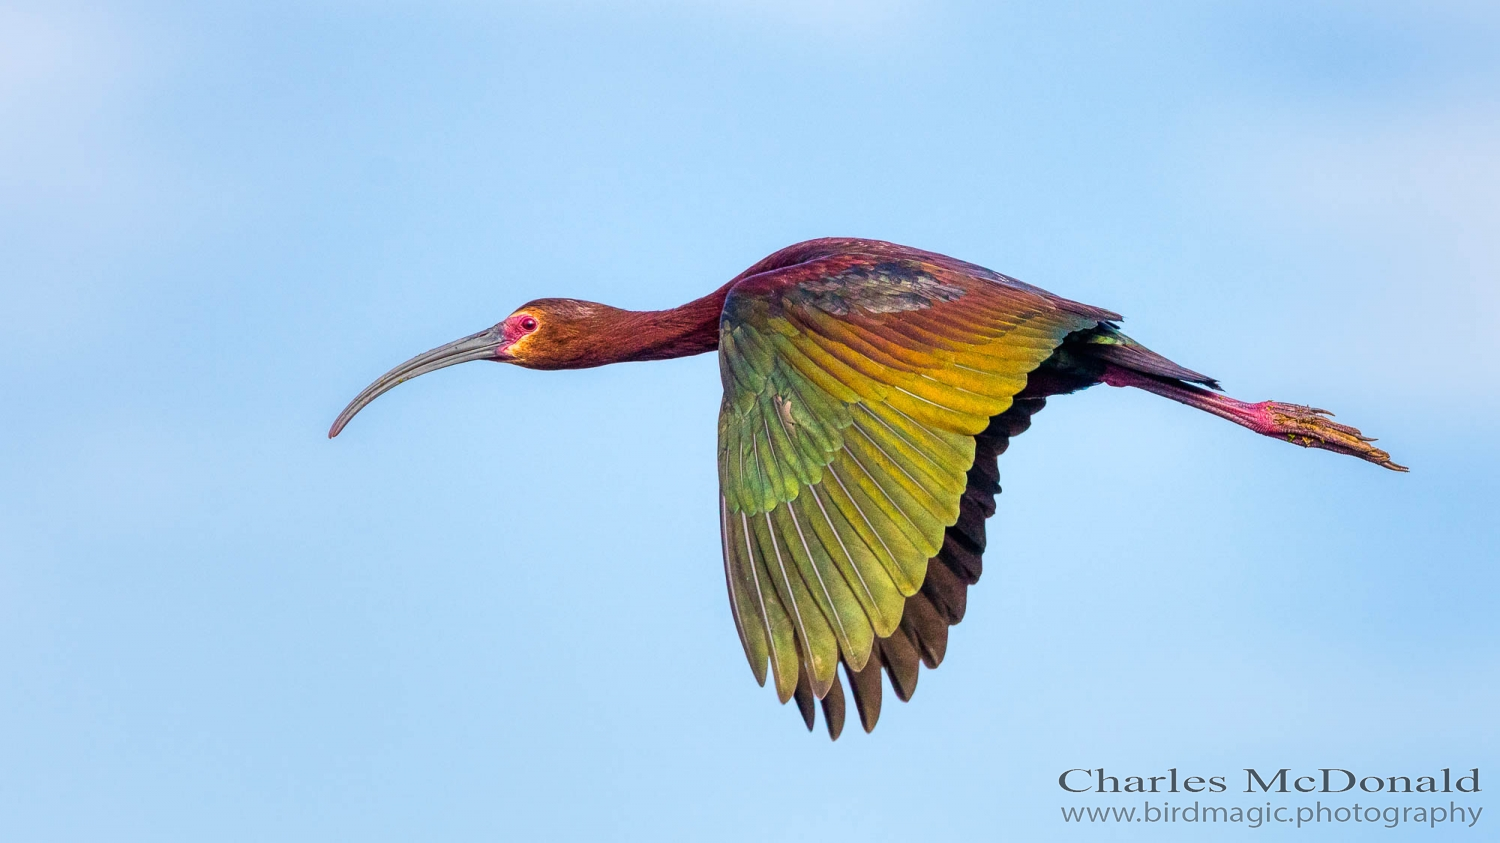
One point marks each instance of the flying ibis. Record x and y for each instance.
(868, 390)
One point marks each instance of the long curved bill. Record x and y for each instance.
(484, 345)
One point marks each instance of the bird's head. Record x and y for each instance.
(542, 334)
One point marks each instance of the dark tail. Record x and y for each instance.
(1109, 345)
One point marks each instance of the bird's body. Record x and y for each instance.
(868, 390)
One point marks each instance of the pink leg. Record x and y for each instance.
(1299, 425)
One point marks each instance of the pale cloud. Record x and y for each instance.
(1412, 195)
(788, 19)
(861, 14)
(63, 76)
(1432, 180)
(36, 51)
(76, 178)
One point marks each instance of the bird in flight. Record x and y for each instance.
(869, 389)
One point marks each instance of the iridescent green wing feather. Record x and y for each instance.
(854, 386)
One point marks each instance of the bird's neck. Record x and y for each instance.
(682, 331)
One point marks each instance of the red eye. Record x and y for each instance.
(528, 324)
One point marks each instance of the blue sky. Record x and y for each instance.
(493, 609)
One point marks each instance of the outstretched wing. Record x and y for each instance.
(854, 387)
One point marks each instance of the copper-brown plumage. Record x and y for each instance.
(869, 389)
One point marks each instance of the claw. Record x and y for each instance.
(1306, 427)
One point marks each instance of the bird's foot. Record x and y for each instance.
(1314, 428)
(1294, 423)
